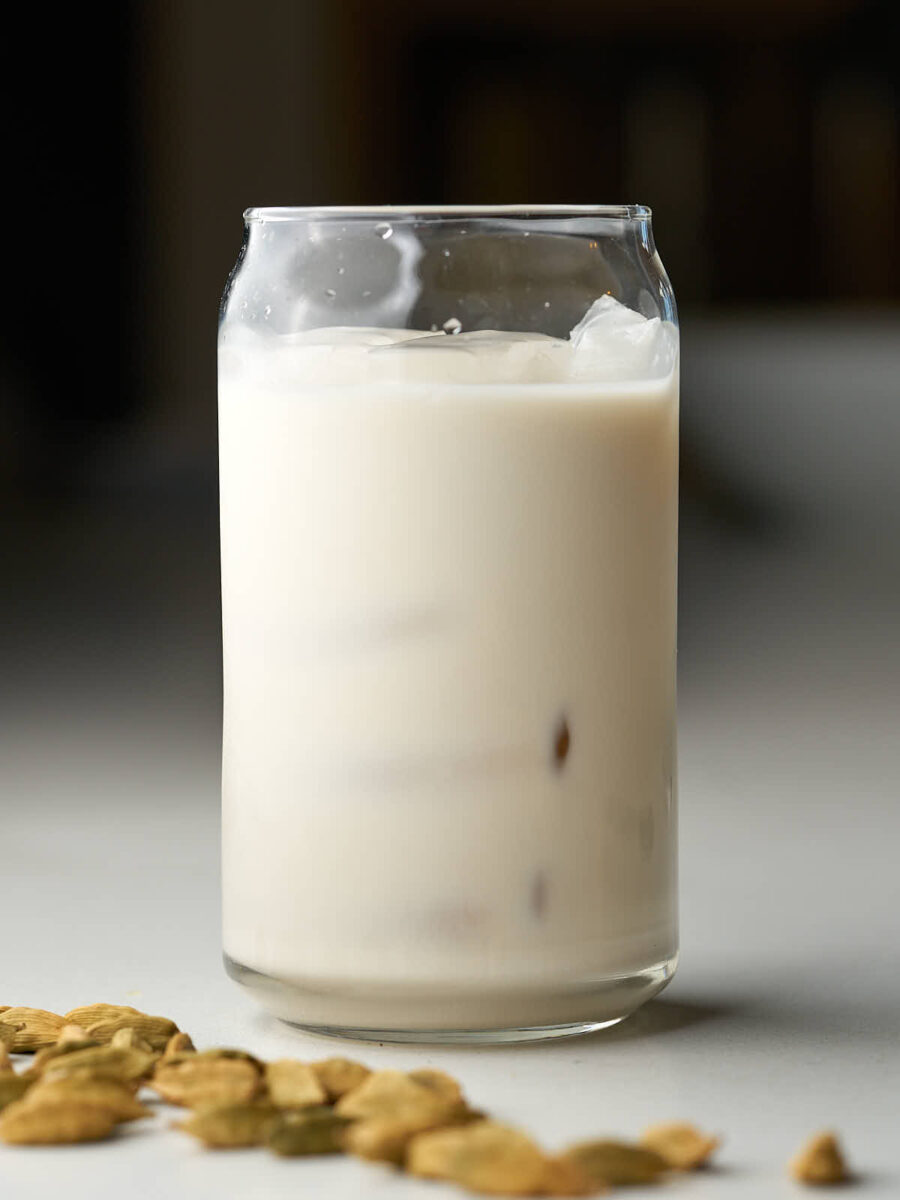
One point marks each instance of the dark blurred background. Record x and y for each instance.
(764, 134)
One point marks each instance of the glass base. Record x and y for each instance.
(376, 1013)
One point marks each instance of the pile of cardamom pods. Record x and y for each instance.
(91, 1065)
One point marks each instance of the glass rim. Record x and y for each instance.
(448, 212)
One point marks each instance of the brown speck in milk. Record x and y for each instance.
(538, 895)
(561, 742)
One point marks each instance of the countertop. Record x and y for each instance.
(784, 1017)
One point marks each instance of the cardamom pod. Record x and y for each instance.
(338, 1076)
(293, 1084)
(35, 1029)
(310, 1131)
(108, 1094)
(683, 1146)
(104, 1062)
(563, 1178)
(8, 1031)
(61, 1048)
(102, 1021)
(393, 1095)
(56, 1122)
(385, 1139)
(71, 1033)
(819, 1161)
(199, 1082)
(484, 1157)
(129, 1039)
(230, 1125)
(613, 1163)
(12, 1088)
(440, 1082)
(178, 1043)
(379, 1140)
(216, 1054)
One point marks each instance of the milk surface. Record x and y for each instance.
(448, 567)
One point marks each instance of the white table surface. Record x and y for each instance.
(785, 1014)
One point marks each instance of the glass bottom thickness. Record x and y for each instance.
(378, 1013)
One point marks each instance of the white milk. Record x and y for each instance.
(443, 557)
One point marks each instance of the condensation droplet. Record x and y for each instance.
(330, 293)
(446, 253)
(341, 270)
(546, 304)
(384, 230)
(366, 295)
(267, 311)
(453, 325)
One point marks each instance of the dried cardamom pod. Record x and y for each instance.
(72, 1033)
(338, 1076)
(293, 1084)
(683, 1146)
(55, 1122)
(178, 1043)
(484, 1156)
(12, 1088)
(310, 1131)
(563, 1178)
(393, 1095)
(198, 1081)
(216, 1054)
(104, 1062)
(8, 1031)
(61, 1048)
(5, 1008)
(130, 1039)
(611, 1162)
(819, 1161)
(440, 1082)
(230, 1125)
(379, 1139)
(385, 1139)
(109, 1094)
(35, 1029)
(101, 1021)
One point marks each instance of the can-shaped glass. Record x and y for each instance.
(448, 445)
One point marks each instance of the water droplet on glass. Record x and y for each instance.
(267, 311)
(330, 293)
(384, 230)
(546, 304)
(341, 270)
(453, 325)
(446, 253)
(366, 295)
